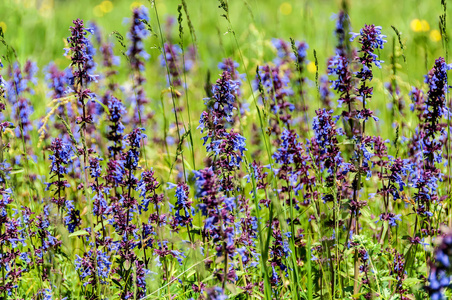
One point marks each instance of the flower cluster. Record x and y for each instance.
(137, 56)
(184, 210)
(116, 110)
(171, 59)
(326, 151)
(61, 158)
(294, 170)
(439, 275)
(275, 92)
(226, 146)
(370, 38)
(17, 88)
(430, 138)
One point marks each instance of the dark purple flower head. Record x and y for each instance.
(294, 170)
(231, 66)
(81, 54)
(418, 102)
(231, 145)
(279, 251)
(206, 183)
(17, 87)
(370, 38)
(115, 171)
(224, 96)
(147, 187)
(61, 156)
(259, 175)
(342, 24)
(72, 219)
(391, 218)
(172, 60)
(89, 271)
(21, 81)
(276, 86)
(435, 104)
(289, 149)
(430, 137)
(184, 210)
(338, 66)
(325, 139)
(134, 138)
(140, 279)
(94, 167)
(302, 52)
(100, 205)
(398, 170)
(4, 201)
(137, 33)
(116, 109)
(137, 55)
(22, 111)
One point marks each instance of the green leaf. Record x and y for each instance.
(17, 171)
(79, 233)
(388, 279)
(98, 227)
(409, 282)
(116, 282)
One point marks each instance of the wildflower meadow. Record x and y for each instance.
(225, 149)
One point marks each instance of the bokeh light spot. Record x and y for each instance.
(435, 35)
(425, 26)
(106, 6)
(98, 12)
(416, 25)
(285, 8)
(311, 67)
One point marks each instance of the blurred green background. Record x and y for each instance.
(37, 30)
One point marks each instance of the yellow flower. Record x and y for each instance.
(97, 11)
(285, 8)
(311, 67)
(416, 25)
(425, 26)
(106, 6)
(3, 26)
(435, 35)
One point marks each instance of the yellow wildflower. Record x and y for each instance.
(435, 35)
(285, 8)
(311, 67)
(416, 25)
